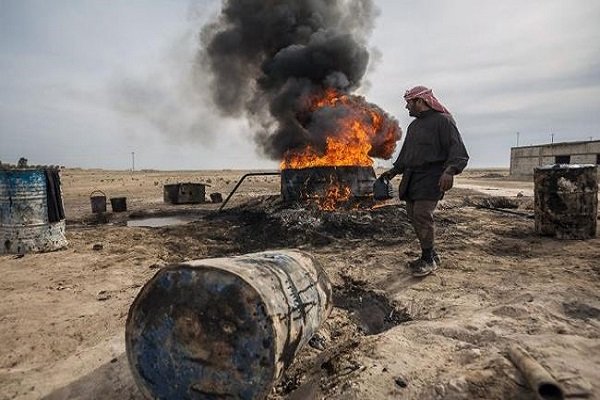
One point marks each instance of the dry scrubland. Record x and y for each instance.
(62, 314)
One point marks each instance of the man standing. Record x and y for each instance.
(432, 154)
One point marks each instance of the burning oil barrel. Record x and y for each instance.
(305, 183)
(225, 327)
(566, 201)
(32, 216)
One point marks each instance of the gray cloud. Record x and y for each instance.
(501, 67)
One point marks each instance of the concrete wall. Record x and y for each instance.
(524, 159)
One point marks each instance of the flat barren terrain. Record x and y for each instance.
(389, 336)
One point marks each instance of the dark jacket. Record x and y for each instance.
(433, 145)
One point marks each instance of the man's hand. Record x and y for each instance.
(388, 175)
(446, 182)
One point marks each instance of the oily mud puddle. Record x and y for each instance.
(158, 222)
(370, 310)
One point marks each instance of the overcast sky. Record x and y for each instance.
(85, 83)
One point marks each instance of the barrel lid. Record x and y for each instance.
(13, 168)
(564, 166)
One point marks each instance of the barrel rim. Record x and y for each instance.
(562, 167)
(328, 168)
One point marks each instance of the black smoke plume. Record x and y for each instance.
(268, 60)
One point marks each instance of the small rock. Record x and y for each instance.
(400, 382)
(103, 295)
(520, 194)
(317, 342)
(137, 236)
(458, 385)
(97, 247)
(440, 390)
(155, 266)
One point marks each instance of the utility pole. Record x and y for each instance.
(518, 133)
(133, 161)
(552, 137)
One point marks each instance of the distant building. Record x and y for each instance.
(525, 158)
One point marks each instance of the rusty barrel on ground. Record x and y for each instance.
(31, 211)
(225, 328)
(566, 201)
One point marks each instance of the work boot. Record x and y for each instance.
(421, 267)
(431, 253)
(437, 258)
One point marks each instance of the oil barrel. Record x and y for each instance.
(566, 200)
(24, 223)
(225, 327)
(301, 184)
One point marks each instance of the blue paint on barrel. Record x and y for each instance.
(177, 360)
(24, 223)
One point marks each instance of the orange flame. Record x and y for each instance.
(363, 131)
(336, 194)
(356, 134)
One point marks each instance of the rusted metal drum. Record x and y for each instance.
(566, 201)
(300, 184)
(225, 328)
(24, 222)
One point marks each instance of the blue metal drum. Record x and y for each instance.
(225, 328)
(24, 223)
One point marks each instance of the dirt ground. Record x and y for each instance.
(445, 336)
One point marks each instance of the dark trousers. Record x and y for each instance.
(420, 215)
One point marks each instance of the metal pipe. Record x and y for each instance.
(540, 380)
(242, 179)
(504, 210)
(225, 327)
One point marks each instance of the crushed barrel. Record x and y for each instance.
(225, 327)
